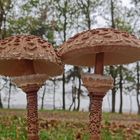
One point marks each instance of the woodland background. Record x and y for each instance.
(56, 21)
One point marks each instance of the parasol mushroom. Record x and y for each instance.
(99, 47)
(29, 60)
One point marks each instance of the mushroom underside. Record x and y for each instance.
(23, 67)
(87, 57)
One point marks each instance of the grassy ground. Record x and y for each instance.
(60, 125)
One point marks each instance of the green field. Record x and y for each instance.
(65, 125)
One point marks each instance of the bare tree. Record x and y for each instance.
(3, 86)
(64, 14)
(73, 97)
(138, 87)
(121, 88)
(9, 94)
(11, 87)
(43, 96)
(54, 91)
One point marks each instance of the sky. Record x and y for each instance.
(126, 3)
(18, 100)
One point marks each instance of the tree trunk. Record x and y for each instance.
(121, 89)
(9, 97)
(112, 14)
(73, 100)
(79, 92)
(4, 28)
(43, 97)
(63, 94)
(109, 106)
(138, 84)
(113, 100)
(138, 104)
(54, 94)
(130, 111)
(1, 19)
(88, 22)
(73, 96)
(112, 70)
(1, 105)
(64, 36)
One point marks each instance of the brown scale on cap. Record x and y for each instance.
(26, 44)
(119, 47)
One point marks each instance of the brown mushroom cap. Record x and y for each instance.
(27, 55)
(118, 47)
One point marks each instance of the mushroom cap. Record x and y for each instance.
(118, 47)
(28, 55)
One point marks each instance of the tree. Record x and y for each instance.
(2, 87)
(28, 20)
(138, 87)
(124, 26)
(1, 105)
(74, 75)
(117, 19)
(124, 78)
(10, 87)
(87, 10)
(54, 81)
(7, 85)
(64, 15)
(110, 15)
(121, 88)
(79, 89)
(113, 72)
(43, 96)
(135, 79)
(73, 97)
(135, 18)
(5, 6)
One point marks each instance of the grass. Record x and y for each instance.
(13, 128)
(65, 125)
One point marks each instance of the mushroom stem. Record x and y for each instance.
(32, 115)
(95, 116)
(99, 63)
(97, 86)
(96, 99)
